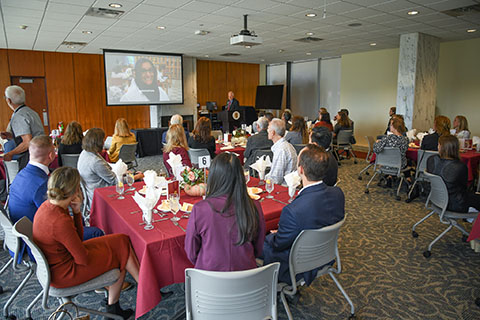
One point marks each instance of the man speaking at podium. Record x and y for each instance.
(232, 103)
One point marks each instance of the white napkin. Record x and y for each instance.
(309, 123)
(249, 129)
(476, 141)
(420, 135)
(261, 164)
(175, 161)
(119, 168)
(453, 132)
(293, 179)
(431, 131)
(227, 147)
(411, 134)
(146, 204)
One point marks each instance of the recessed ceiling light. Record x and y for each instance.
(373, 44)
(71, 47)
(355, 24)
(309, 33)
(308, 53)
(23, 27)
(87, 32)
(248, 47)
(471, 30)
(281, 50)
(115, 5)
(262, 59)
(206, 56)
(412, 13)
(201, 32)
(311, 15)
(161, 27)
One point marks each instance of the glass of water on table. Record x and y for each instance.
(174, 201)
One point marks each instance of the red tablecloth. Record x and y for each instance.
(161, 250)
(237, 150)
(475, 232)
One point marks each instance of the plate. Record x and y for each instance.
(254, 196)
(143, 191)
(186, 207)
(254, 190)
(165, 206)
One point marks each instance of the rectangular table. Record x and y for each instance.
(238, 150)
(161, 250)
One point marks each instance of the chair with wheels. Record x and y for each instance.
(23, 230)
(344, 144)
(127, 154)
(389, 162)
(298, 147)
(314, 249)
(437, 202)
(70, 160)
(195, 153)
(423, 156)
(234, 295)
(11, 170)
(368, 158)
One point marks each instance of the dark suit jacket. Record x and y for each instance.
(430, 142)
(329, 205)
(234, 107)
(332, 171)
(256, 142)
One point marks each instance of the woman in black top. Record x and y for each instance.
(202, 136)
(71, 142)
(454, 172)
(441, 125)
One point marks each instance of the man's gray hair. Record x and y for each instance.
(278, 126)
(262, 123)
(176, 119)
(16, 94)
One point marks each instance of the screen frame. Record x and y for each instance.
(144, 53)
(279, 107)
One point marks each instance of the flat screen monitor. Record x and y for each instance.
(211, 105)
(137, 78)
(269, 97)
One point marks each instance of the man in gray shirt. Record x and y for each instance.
(24, 125)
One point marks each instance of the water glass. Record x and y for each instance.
(174, 200)
(147, 218)
(120, 189)
(261, 176)
(291, 193)
(129, 179)
(269, 186)
(247, 175)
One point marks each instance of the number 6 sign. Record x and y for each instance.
(204, 162)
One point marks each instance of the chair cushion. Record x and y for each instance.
(106, 279)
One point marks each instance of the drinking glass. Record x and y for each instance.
(120, 189)
(129, 179)
(174, 201)
(291, 193)
(269, 186)
(147, 218)
(247, 175)
(261, 176)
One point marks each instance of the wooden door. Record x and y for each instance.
(35, 97)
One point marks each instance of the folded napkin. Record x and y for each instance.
(148, 203)
(175, 162)
(431, 131)
(293, 179)
(420, 135)
(261, 164)
(453, 132)
(309, 123)
(476, 141)
(227, 148)
(249, 129)
(411, 134)
(119, 168)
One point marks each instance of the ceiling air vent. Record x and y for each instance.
(74, 43)
(104, 13)
(464, 11)
(309, 39)
(230, 54)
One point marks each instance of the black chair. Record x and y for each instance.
(127, 154)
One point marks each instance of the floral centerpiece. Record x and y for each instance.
(239, 136)
(194, 181)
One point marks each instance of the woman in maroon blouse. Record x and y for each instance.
(225, 231)
(176, 143)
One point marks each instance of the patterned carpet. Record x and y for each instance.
(384, 271)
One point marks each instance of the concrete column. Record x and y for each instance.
(417, 79)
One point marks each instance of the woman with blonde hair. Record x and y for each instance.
(71, 142)
(122, 135)
(460, 125)
(298, 133)
(201, 137)
(176, 143)
(71, 260)
(441, 125)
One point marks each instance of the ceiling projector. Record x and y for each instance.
(245, 37)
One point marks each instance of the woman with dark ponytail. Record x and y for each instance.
(225, 231)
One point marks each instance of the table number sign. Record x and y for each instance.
(204, 162)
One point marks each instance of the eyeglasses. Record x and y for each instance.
(148, 70)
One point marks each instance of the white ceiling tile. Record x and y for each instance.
(21, 12)
(366, 3)
(167, 3)
(393, 5)
(362, 13)
(205, 7)
(127, 5)
(185, 14)
(24, 4)
(341, 7)
(285, 9)
(451, 4)
(152, 10)
(86, 3)
(66, 8)
(255, 4)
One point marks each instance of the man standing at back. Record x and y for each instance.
(316, 206)
(25, 124)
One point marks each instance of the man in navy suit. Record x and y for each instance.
(232, 103)
(29, 188)
(316, 205)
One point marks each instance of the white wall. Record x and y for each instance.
(330, 75)
(304, 88)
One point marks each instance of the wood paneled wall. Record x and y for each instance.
(75, 88)
(216, 78)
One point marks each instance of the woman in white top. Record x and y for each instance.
(460, 125)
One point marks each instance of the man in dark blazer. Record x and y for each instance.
(316, 205)
(232, 103)
(257, 141)
(322, 137)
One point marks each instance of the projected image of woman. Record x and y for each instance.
(144, 87)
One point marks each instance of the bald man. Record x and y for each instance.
(232, 103)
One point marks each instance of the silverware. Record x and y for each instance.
(136, 211)
(142, 223)
(261, 200)
(279, 201)
(178, 225)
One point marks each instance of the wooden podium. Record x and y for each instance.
(231, 119)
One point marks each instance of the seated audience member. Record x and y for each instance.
(121, 136)
(322, 137)
(391, 113)
(269, 116)
(71, 142)
(284, 155)
(348, 117)
(324, 121)
(460, 125)
(286, 117)
(225, 231)
(95, 171)
(175, 119)
(176, 144)
(201, 137)
(71, 260)
(29, 188)
(343, 123)
(298, 133)
(257, 141)
(441, 125)
(254, 124)
(454, 172)
(328, 202)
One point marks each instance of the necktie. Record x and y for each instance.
(229, 104)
